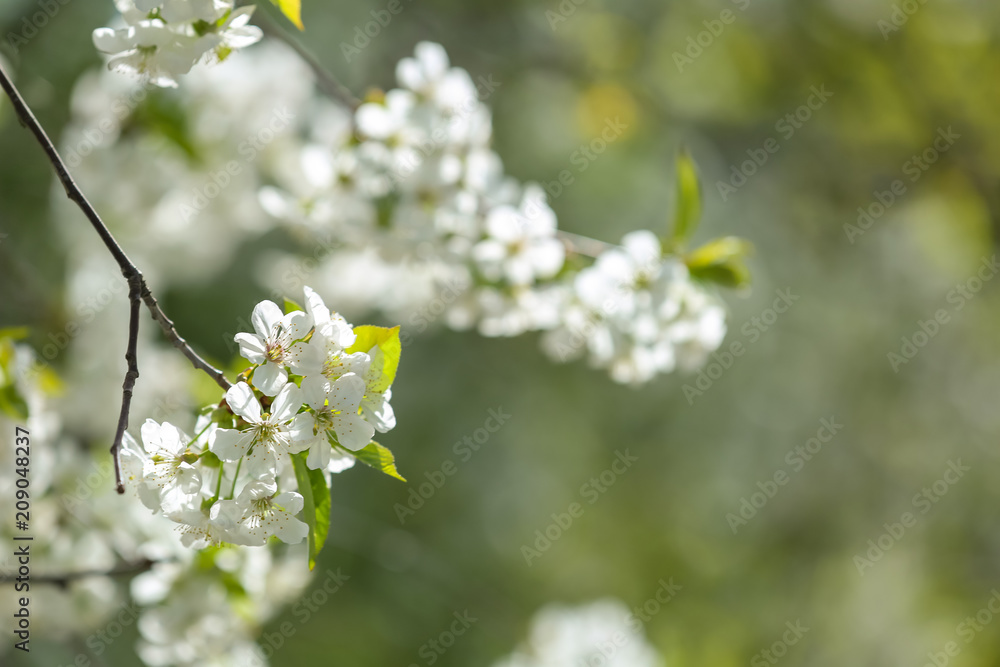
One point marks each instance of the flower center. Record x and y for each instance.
(265, 432)
(275, 352)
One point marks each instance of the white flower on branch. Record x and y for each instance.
(638, 313)
(163, 40)
(168, 468)
(260, 512)
(267, 437)
(274, 346)
(335, 411)
(521, 245)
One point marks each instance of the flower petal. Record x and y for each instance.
(346, 392)
(315, 306)
(251, 347)
(297, 324)
(230, 444)
(353, 431)
(319, 454)
(314, 390)
(242, 401)
(265, 318)
(270, 378)
(286, 403)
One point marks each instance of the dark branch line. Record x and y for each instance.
(138, 290)
(64, 579)
(325, 80)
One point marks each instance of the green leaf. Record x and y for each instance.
(383, 346)
(210, 460)
(292, 9)
(722, 261)
(688, 209)
(291, 306)
(315, 504)
(12, 403)
(14, 333)
(380, 458)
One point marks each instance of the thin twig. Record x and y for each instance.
(131, 375)
(137, 284)
(325, 79)
(63, 580)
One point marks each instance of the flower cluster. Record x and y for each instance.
(413, 175)
(637, 314)
(600, 633)
(317, 389)
(192, 608)
(416, 217)
(164, 39)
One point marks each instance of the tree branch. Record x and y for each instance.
(325, 79)
(63, 580)
(138, 291)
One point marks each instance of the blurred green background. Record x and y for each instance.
(859, 296)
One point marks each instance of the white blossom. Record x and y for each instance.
(599, 633)
(521, 246)
(273, 346)
(164, 39)
(335, 409)
(268, 435)
(169, 466)
(261, 512)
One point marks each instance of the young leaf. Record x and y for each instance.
(721, 261)
(688, 209)
(14, 333)
(12, 403)
(291, 306)
(292, 9)
(380, 458)
(384, 348)
(315, 504)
